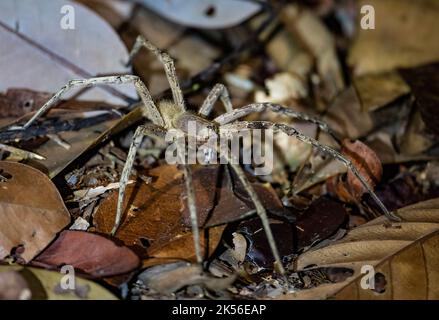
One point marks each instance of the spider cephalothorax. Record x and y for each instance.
(173, 115)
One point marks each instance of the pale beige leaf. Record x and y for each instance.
(37, 53)
(405, 253)
(45, 285)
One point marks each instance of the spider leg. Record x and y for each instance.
(168, 64)
(150, 109)
(150, 130)
(291, 131)
(192, 211)
(219, 91)
(262, 213)
(277, 108)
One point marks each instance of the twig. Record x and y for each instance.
(21, 153)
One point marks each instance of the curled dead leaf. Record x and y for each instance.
(368, 165)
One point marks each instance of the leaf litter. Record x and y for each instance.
(377, 91)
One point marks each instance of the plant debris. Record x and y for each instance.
(352, 94)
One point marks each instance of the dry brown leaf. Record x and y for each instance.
(153, 224)
(91, 253)
(424, 82)
(32, 211)
(57, 157)
(317, 39)
(347, 117)
(288, 55)
(415, 141)
(404, 253)
(17, 102)
(27, 218)
(378, 90)
(157, 223)
(403, 37)
(368, 165)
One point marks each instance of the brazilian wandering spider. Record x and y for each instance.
(169, 115)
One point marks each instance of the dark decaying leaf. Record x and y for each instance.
(90, 253)
(402, 191)
(318, 222)
(31, 210)
(424, 82)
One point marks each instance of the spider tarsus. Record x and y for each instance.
(17, 128)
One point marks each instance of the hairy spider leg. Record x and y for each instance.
(277, 108)
(291, 131)
(219, 91)
(168, 64)
(150, 108)
(151, 130)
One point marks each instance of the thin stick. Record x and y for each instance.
(21, 153)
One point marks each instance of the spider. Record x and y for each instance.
(168, 115)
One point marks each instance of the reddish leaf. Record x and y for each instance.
(18, 102)
(91, 253)
(368, 165)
